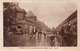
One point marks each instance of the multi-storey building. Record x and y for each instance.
(68, 30)
(16, 24)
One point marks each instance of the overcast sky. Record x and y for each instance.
(51, 13)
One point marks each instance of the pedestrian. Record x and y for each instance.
(52, 41)
(45, 35)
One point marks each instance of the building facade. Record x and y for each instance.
(68, 30)
(17, 25)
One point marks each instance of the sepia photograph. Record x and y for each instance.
(39, 24)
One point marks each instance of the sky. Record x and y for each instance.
(51, 13)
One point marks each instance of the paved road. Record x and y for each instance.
(24, 40)
(43, 42)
